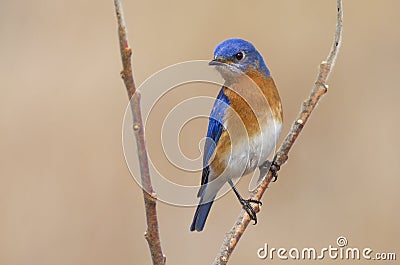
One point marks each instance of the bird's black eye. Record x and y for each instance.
(239, 56)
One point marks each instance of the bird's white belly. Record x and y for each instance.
(247, 155)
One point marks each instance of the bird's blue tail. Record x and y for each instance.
(200, 216)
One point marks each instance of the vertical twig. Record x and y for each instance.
(152, 234)
(319, 89)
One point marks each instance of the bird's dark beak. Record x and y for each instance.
(214, 62)
(217, 61)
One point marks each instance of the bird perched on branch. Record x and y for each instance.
(244, 124)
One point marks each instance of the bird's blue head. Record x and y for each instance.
(236, 54)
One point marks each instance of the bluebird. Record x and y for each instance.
(244, 124)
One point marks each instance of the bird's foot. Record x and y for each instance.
(269, 166)
(249, 209)
(274, 170)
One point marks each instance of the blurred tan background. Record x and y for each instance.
(66, 195)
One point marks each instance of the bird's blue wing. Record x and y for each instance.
(215, 129)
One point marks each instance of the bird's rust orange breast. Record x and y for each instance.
(252, 98)
(270, 92)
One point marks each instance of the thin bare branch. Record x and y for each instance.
(152, 234)
(319, 89)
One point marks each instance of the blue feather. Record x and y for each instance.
(201, 215)
(215, 126)
(215, 129)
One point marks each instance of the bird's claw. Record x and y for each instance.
(269, 166)
(274, 170)
(249, 209)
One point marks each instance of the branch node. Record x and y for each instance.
(128, 51)
(136, 127)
